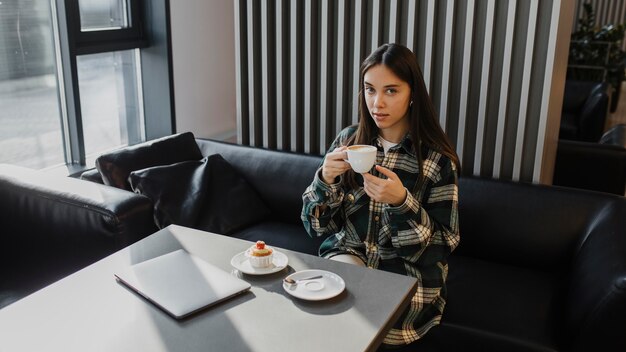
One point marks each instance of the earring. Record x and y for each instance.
(411, 103)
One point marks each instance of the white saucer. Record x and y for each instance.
(328, 286)
(241, 263)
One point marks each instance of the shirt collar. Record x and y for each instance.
(406, 143)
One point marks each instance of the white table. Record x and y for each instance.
(90, 311)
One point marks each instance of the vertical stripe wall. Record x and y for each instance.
(495, 70)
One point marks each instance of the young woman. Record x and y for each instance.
(402, 215)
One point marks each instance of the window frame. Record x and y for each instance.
(74, 42)
(98, 41)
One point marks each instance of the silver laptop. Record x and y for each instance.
(180, 283)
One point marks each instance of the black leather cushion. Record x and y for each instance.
(207, 194)
(115, 166)
(232, 203)
(261, 167)
(177, 190)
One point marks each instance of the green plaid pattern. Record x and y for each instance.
(413, 239)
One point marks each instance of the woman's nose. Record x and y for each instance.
(379, 100)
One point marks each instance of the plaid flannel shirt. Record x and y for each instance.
(413, 239)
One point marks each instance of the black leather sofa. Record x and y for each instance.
(585, 107)
(599, 166)
(539, 268)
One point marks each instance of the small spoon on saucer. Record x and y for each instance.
(291, 281)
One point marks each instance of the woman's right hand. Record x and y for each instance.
(334, 164)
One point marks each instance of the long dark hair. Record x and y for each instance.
(424, 127)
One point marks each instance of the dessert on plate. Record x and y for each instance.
(260, 255)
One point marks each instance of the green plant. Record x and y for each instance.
(596, 54)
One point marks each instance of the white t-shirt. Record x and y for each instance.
(386, 144)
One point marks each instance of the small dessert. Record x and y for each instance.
(260, 255)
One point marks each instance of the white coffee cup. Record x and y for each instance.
(361, 157)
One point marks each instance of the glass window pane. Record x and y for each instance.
(103, 14)
(111, 103)
(29, 97)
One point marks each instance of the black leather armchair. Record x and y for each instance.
(54, 226)
(585, 107)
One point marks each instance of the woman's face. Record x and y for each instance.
(387, 98)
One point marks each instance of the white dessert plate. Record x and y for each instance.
(328, 286)
(241, 263)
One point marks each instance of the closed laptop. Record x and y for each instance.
(180, 283)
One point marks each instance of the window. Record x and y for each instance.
(30, 114)
(70, 80)
(110, 100)
(103, 14)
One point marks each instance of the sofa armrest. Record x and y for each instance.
(37, 208)
(92, 175)
(615, 136)
(596, 306)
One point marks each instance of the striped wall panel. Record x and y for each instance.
(491, 66)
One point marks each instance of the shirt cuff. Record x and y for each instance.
(409, 204)
(330, 193)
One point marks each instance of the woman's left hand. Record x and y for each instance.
(390, 190)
